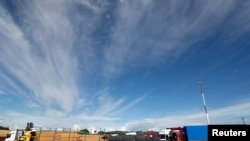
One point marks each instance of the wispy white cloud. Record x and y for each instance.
(126, 107)
(45, 45)
(217, 116)
(44, 63)
(146, 31)
(109, 105)
(53, 118)
(2, 92)
(50, 51)
(45, 41)
(92, 5)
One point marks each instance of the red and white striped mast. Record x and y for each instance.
(204, 102)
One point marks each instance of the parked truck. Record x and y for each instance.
(189, 133)
(165, 134)
(20, 135)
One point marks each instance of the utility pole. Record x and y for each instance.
(204, 102)
(243, 120)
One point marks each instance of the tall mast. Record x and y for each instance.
(204, 102)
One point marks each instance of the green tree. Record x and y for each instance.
(84, 131)
(4, 128)
(101, 132)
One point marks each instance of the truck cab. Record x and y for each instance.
(165, 134)
(189, 133)
(177, 134)
(14, 135)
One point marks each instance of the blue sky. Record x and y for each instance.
(124, 65)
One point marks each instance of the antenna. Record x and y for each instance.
(204, 103)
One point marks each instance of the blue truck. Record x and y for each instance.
(189, 133)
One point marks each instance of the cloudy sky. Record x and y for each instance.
(124, 65)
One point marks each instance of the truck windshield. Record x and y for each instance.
(8, 135)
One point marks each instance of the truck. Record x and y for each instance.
(165, 134)
(20, 135)
(151, 134)
(189, 133)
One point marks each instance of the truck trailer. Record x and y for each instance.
(189, 133)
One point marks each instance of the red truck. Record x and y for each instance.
(189, 133)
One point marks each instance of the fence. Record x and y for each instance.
(132, 138)
(3, 134)
(66, 135)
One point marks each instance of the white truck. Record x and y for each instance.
(164, 134)
(20, 135)
(131, 133)
(14, 135)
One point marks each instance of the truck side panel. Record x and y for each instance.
(196, 133)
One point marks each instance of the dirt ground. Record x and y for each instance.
(66, 136)
(3, 134)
